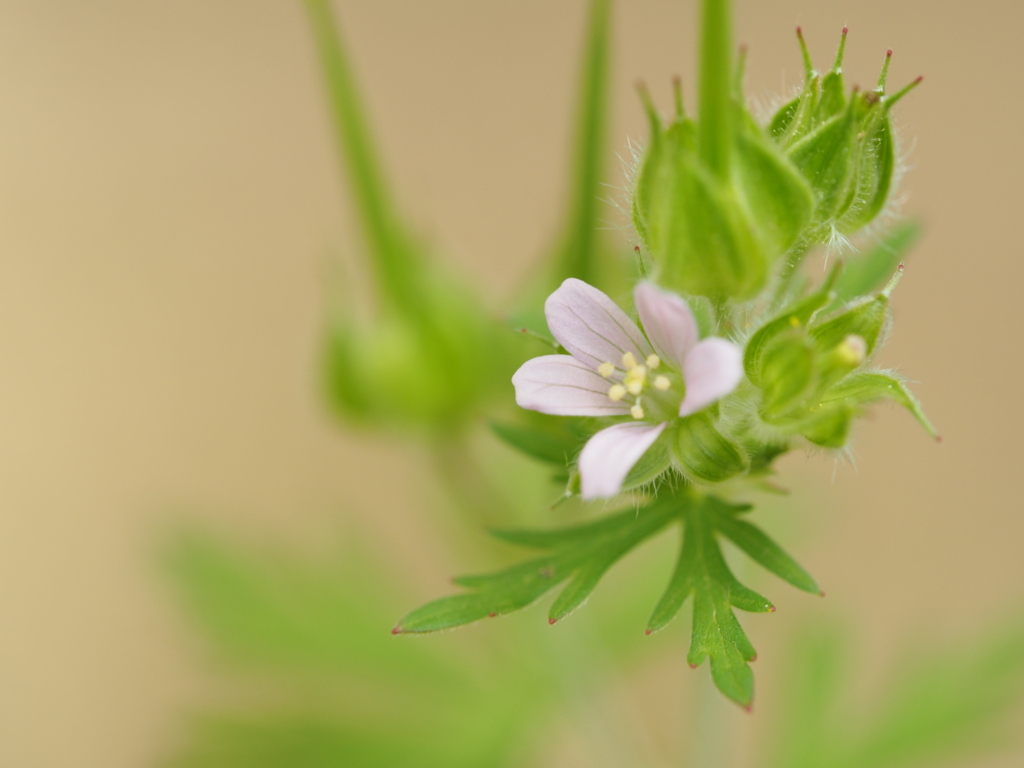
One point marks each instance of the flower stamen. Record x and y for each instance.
(653, 361)
(606, 370)
(617, 392)
(662, 383)
(635, 379)
(637, 410)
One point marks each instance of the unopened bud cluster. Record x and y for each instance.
(725, 232)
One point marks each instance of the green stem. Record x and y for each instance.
(709, 732)
(385, 237)
(469, 488)
(580, 248)
(715, 126)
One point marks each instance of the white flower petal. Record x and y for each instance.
(609, 455)
(711, 370)
(667, 320)
(591, 326)
(563, 386)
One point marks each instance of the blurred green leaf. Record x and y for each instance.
(271, 611)
(341, 691)
(934, 706)
(551, 439)
(868, 272)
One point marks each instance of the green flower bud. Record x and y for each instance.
(789, 374)
(796, 360)
(867, 319)
(425, 366)
(829, 425)
(843, 145)
(702, 453)
(797, 316)
(711, 232)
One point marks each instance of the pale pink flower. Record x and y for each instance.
(613, 369)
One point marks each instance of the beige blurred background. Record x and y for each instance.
(169, 199)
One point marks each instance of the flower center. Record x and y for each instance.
(654, 396)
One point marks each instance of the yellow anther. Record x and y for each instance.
(662, 383)
(617, 392)
(637, 411)
(794, 321)
(606, 370)
(629, 361)
(653, 361)
(635, 379)
(852, 350)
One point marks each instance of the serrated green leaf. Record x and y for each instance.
(582, 553)
(702, 572)
(868, 272)
(763, 550)
(869, 386)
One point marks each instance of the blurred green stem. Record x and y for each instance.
(479, 501)
(386, 238)
(579, 250)
(715, 78)
(710, 739)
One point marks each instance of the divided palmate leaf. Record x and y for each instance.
(581, 555)
(703, 573)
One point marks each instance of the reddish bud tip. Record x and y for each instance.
(888, 54)
(552, 621)
(846, 31)
(694, 666)
(799, 32)
(743, 47)
(753, 658)
(677, 80)
(938, 438)
(749, 708)
(396, 631)
(491, 615)
(901, 266)
(821, 594)
(919, 78)
(647, 631)
(771, 609)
